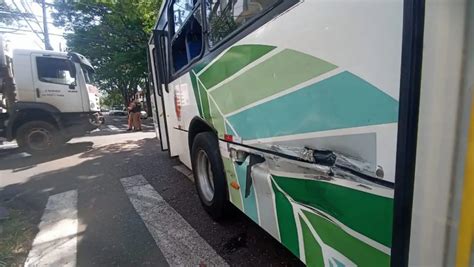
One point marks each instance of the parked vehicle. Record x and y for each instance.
(117, 112)
(47, 97)
(339, 127)
(143, 115)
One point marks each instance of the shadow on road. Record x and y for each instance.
(103, 130)
(108, 220)
(16, 160)
(104, 211)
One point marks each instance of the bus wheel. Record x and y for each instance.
(38, 137)
(209, 175)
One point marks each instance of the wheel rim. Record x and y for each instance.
(39, 139)
(205, 176)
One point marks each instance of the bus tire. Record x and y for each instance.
(209, 174)
(38, 137)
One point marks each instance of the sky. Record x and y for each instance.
(24, 38)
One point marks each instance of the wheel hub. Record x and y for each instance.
(39, 139)
(205, 176)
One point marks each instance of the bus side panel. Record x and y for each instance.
(332, 86)
(182, 104)
(174, 135)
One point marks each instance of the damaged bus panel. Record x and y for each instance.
(302, 114)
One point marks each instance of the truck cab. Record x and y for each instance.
(49, 97)
(57, 79)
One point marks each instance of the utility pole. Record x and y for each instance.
(47, 43)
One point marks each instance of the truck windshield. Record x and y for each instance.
(88, 74)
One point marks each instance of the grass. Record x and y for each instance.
(16, 236)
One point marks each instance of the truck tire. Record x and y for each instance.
(209, 174)
(38, 137)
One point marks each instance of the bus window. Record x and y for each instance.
(225, 17)
(187, 41)
(181, 11)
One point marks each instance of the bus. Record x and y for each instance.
(343, 128)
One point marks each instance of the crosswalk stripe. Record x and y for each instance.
(8, 145)
(180, 243)
(113, 128)
(56, 242)
(16, 156)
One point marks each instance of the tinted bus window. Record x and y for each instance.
(224, 17)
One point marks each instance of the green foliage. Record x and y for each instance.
(8, 14)
(113, 35)
(111, 99)
(222, 25)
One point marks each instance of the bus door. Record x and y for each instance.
(159, 69)
(152, 87)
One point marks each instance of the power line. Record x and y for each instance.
(28, 8)
(12, 30)
(13, 13)
(22, 33)
(27, 22)
(23, 30)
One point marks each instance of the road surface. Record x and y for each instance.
(114, 198)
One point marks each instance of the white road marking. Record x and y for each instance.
(184, 170)
(113, 128)
(56, 242)
(180, 243)
(8, 145)
(16, 156)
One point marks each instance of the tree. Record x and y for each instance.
(114, 36)
(111, 99)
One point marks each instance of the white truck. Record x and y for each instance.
(46, 98)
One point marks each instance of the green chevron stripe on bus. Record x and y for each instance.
(312, 249)
(206, 114)
(286, 221)
(365, 213)
(354, 249)
(217, 119)
(197, 94)
(234, 194)
(341, 101)
(268, 78)
(231, 62)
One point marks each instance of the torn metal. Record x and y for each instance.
(313, 163)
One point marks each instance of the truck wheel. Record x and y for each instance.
(38, 137)
(209, 174)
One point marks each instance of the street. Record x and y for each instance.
(114, 198)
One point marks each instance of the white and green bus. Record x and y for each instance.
(338, 126)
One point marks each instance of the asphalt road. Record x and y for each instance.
(156, 221)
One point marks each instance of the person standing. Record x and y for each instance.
(136, 114)
(130, 107)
